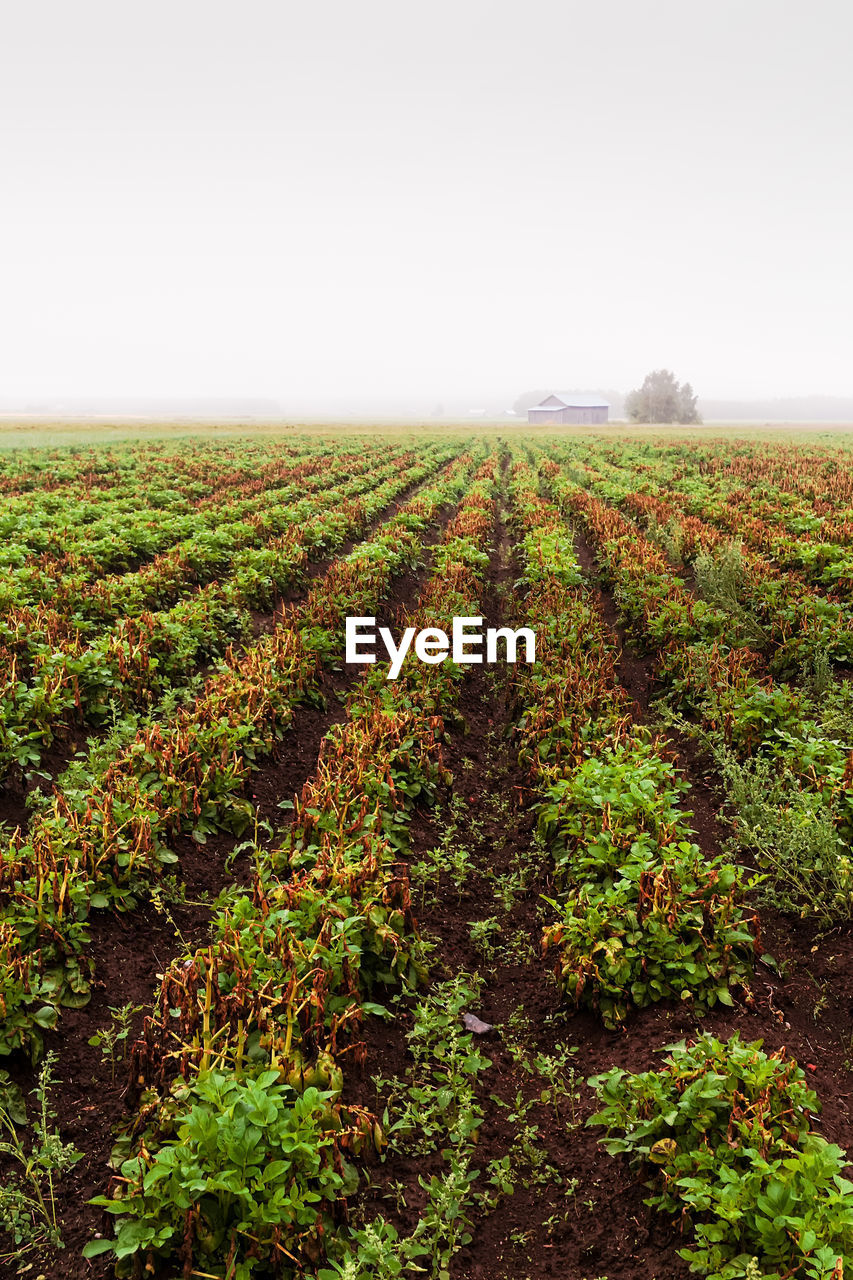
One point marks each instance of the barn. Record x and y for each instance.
(569, 407)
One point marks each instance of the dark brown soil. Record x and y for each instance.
(20, 783)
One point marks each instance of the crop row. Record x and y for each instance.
(819, 475)
(773, 609)
(777, 525)
(249, 1122)
(191, 468)
(145, 654)
(239, 1153)
(190, 550)
(723, 1131)
(642, 915)
(104, 835)
(778, 746)
(52, 535)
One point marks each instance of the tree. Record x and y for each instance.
(687, 411)
(662, 399)
(527, 400)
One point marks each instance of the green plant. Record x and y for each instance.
(507, 885)
(833, 711)
(672, 541)
(450, 858)
(564, 1081)
(109, 1038)
(646, 917)
(518, 1024)
(502, 1176)
(245, 1178)
(373, 1252)
(725, 1130)
(444, 1223)
(435, 1108)
(794, 834)
(397, 1193)
(437, 1104)
(816, 673)
(483, 934)
(27, 1197)
(519, 948)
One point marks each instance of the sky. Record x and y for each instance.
(351, 205)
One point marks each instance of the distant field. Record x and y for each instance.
(38, 433)
(350, 978)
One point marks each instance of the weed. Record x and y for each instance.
(816, 674)
(483, 934)
(793, 832)
(722, 578)
(557, 1222)
(27, 1198)
(822, 1001)
(519, 1025)
(670, 536)
(833, 711)
(565, 1082)
(519, 949)
(436, 1106)
(109, 1038)
(502, 1176)
(449, 858)
(438, 1103)
(510, 884)
(160, 901)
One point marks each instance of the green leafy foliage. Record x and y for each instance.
(247, 1181)
(645, 916)
(724, 1129)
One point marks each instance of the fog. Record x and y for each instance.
(340, 207)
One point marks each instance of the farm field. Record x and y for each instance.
(496, 970)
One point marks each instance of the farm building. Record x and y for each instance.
(568, 406)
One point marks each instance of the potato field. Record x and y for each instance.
(496, 970)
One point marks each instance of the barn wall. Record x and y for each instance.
(549, 419)
(569, 416)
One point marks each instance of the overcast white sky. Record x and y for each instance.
(354, 202)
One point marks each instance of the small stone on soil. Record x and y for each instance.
(472, 1023)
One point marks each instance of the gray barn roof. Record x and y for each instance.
(571, 400)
